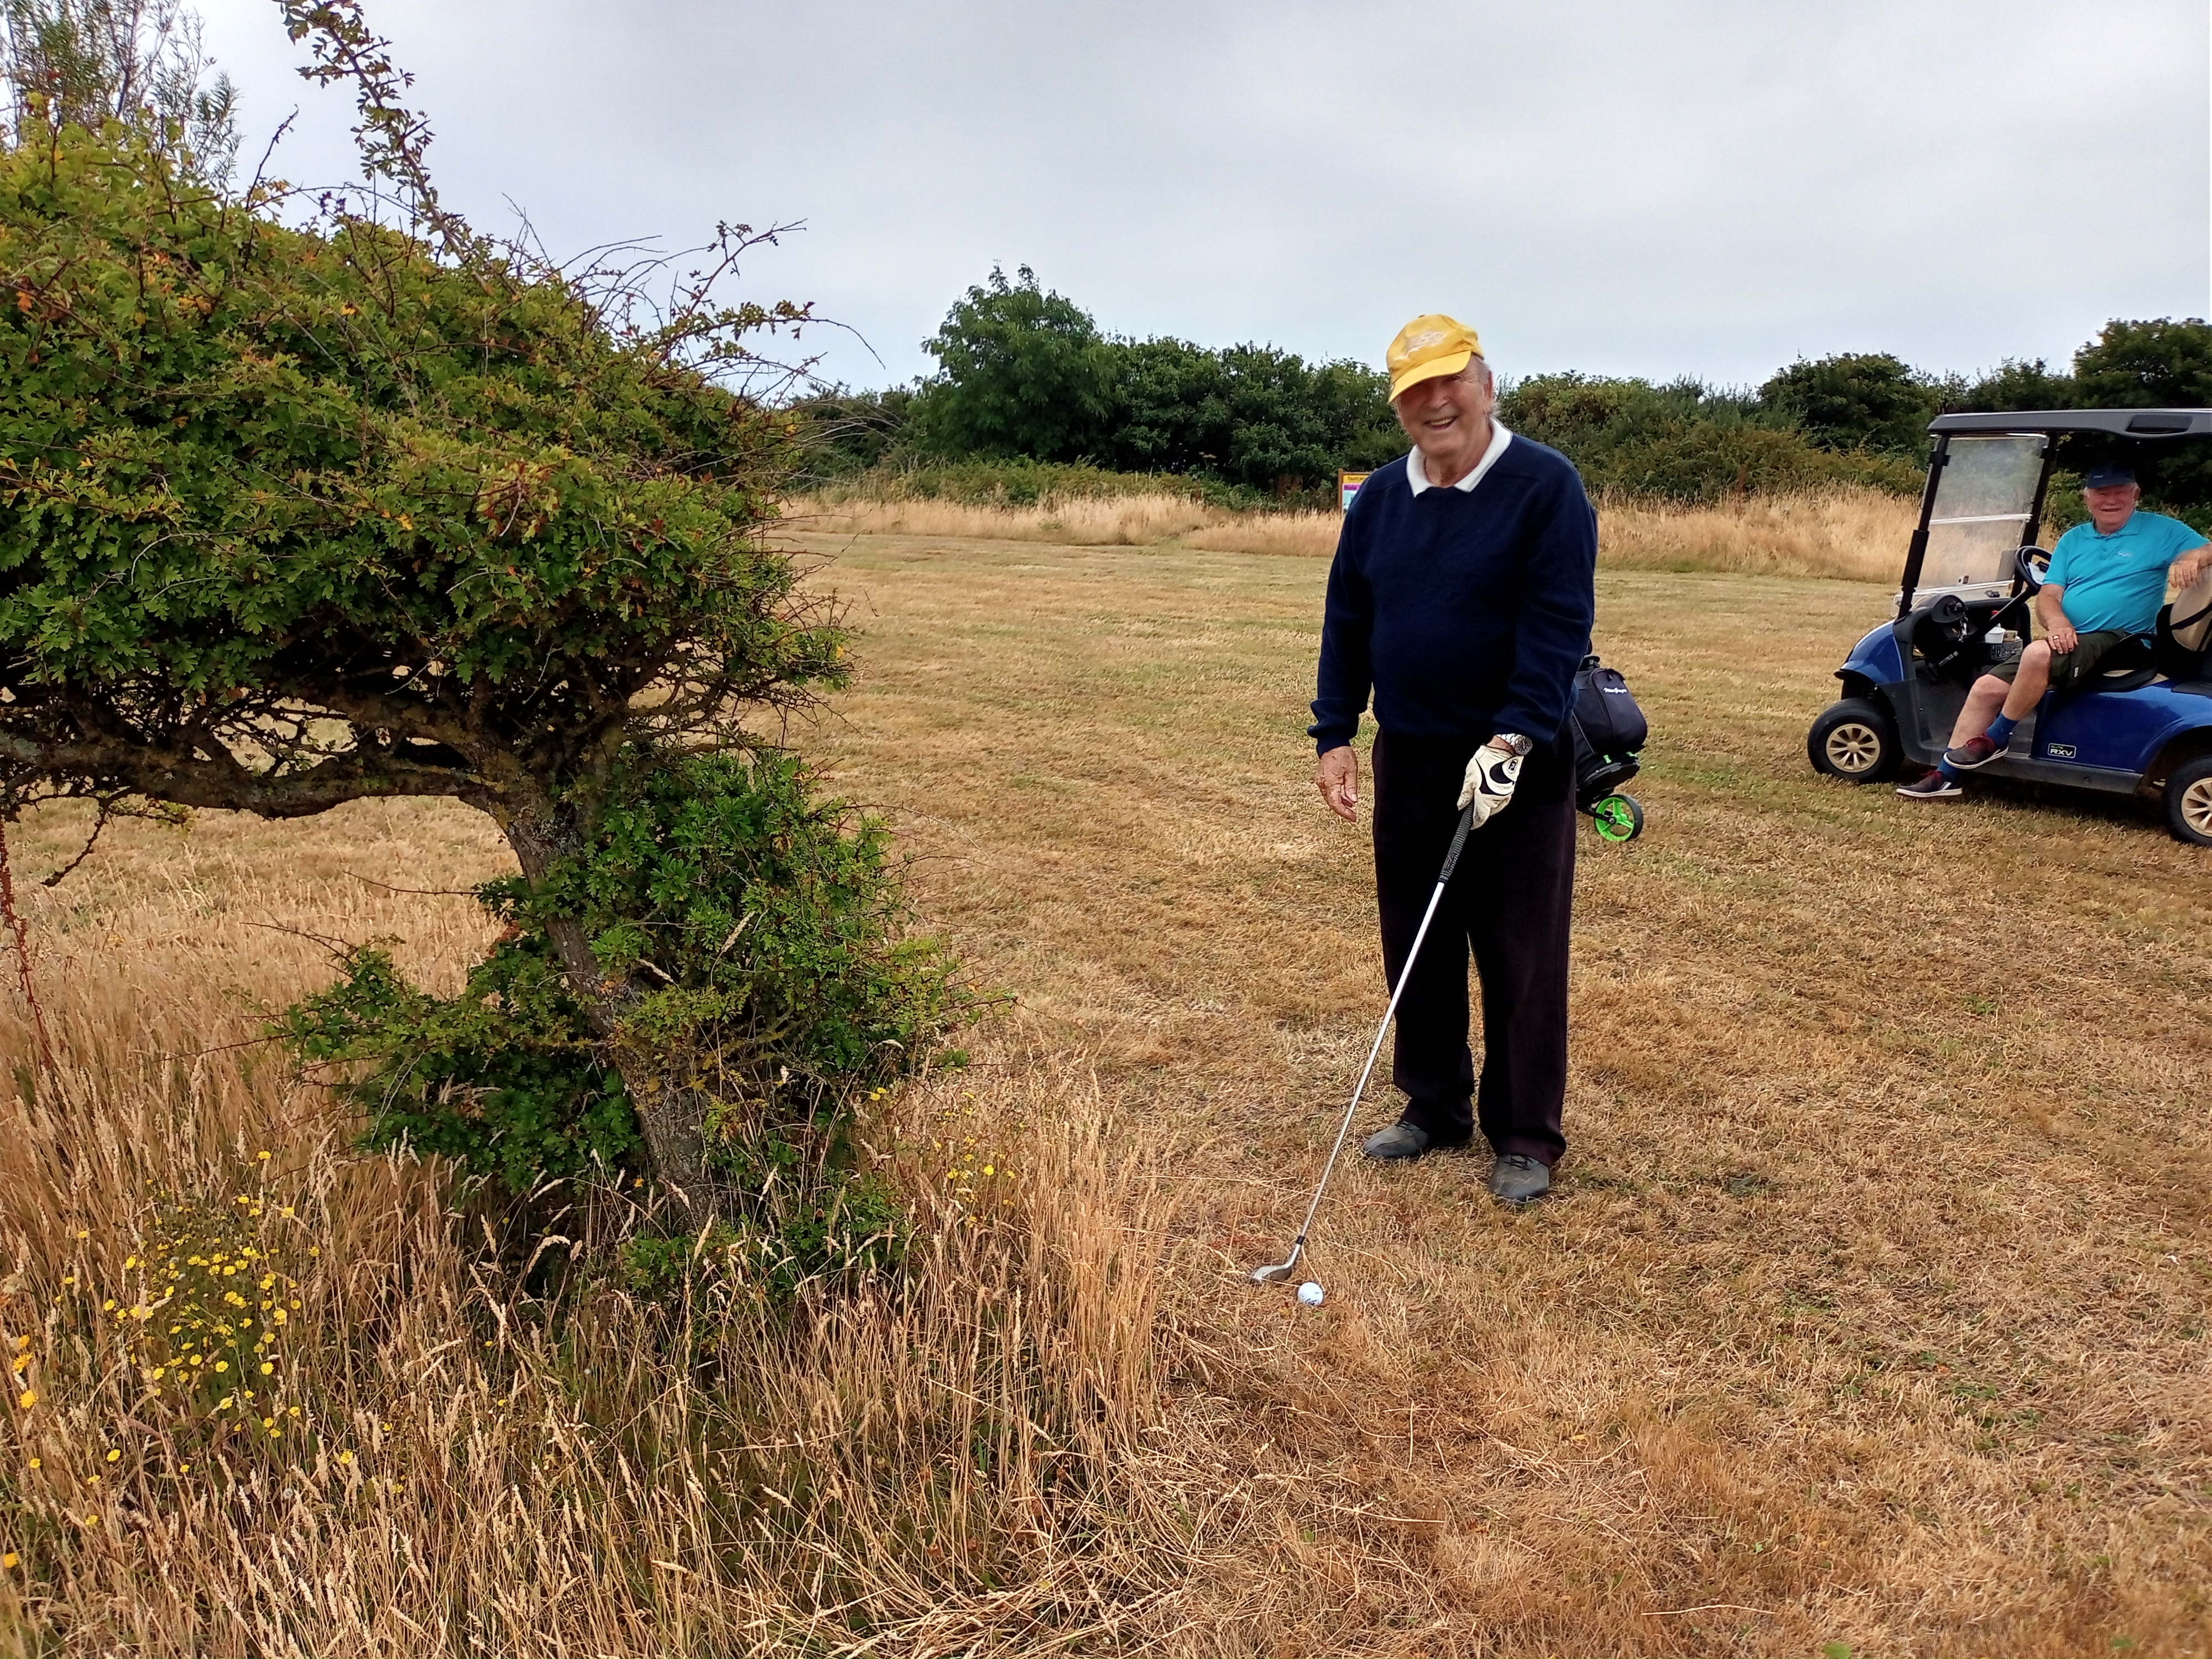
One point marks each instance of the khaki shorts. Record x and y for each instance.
(2077, 664)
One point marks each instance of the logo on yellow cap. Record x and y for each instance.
(1428, 348)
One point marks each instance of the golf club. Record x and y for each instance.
(1281, 1270)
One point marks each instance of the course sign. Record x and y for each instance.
(1347, 486)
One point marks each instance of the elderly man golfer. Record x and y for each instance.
(1461, 596)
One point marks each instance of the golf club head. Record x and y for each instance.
(1276, 1275)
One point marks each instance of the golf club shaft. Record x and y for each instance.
(1406, 973)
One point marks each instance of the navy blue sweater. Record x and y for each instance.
(1467, 612)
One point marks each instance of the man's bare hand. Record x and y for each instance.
(2062, 638)
(2189, 566)
(1337, 777)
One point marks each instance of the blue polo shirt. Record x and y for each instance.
(2117, 581)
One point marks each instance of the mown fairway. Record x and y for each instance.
(1871, 1312)
(1872, 1305)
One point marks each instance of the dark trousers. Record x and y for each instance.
(1510, 899)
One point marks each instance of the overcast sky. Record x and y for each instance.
(1697, 186)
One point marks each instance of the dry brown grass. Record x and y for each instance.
(1854, 533)
(948, 1463)
(1872, 1310)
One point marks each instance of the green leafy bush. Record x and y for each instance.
(1857, 400)
(1021, 371)
(1683, 442)
(852, 1227)
(1023, 482)
(784, 984)
(1024, 373)
(504, 1079)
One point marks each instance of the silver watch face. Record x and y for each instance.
(1519, 744)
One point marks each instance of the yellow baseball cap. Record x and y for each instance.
(1428, 347)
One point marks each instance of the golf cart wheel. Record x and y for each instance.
(2189, 802)
(1618, 817)
(1854, 740)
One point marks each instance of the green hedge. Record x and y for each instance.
(1022, 482)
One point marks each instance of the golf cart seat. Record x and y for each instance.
(2183, 645)
(2131, 666)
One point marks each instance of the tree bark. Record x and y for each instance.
(669, 1115)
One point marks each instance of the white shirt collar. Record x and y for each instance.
(1417, 475)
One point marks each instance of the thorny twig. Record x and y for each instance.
(21, 934)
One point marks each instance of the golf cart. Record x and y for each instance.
(2142, 726)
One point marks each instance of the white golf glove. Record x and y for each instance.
(1491, 777)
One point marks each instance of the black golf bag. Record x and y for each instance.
(1609, 731)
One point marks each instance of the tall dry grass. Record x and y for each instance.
(1849, 533)
(468, 1444)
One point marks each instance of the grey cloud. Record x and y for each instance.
(1711, 187)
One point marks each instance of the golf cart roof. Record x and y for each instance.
(2119, 422)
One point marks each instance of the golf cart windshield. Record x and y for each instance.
(1984, 509)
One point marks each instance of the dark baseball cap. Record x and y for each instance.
(2107, 474)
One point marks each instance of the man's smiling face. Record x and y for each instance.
(1443, 415)
(2111, 506)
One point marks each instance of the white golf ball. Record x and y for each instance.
(1311, 1294)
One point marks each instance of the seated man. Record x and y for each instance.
(2106, 580)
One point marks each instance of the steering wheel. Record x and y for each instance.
(2029, 564)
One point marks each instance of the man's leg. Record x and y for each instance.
(2032, 680)
(1983, 703)
(1996, 705)
(1416, 788)
(1519, 873)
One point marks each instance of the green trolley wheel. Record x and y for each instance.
(1618, 817)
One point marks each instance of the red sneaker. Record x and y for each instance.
(1972, 753)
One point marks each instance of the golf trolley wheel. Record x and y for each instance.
(1618, 817)
(1854, 740)
(2189, 802)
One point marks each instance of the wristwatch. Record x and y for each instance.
(1514, 742)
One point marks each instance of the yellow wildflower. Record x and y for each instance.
(28, 1399)
(114, 1456)
(8, 1559)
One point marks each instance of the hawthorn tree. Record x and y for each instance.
(294, 514)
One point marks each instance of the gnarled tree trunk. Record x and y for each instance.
(669, 1115)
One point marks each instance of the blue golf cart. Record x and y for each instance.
(2143, 726)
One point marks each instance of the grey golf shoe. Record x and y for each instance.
(1518, 1179)
(1398, 1143)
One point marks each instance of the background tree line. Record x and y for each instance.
(1025, 374)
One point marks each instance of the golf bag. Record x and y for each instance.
(1609, 730)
